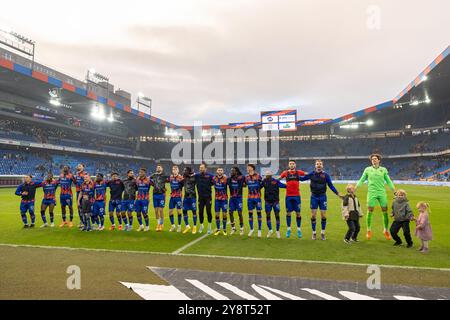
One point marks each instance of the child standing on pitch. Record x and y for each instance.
(423, 226)
(402, 213)
(351, 212)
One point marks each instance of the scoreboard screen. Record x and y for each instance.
(283, 120)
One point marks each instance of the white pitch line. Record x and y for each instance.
(408, 298)
(356, 296)
(266, 294)
(178, 251)
(282, 293)
(321, 294)
(211, 292)
(223, 257)
(237, 291)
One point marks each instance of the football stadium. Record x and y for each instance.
(93, 182)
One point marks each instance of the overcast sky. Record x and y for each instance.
(224, 61)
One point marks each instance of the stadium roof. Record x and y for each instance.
(19, 78)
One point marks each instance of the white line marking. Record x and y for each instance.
(266, 294)
(320, 294)
(222, 257)
(408, 298)
(237, 291)
(178, 251)
(213, 293)
(156, 292)
(282, 293)
(356, 296)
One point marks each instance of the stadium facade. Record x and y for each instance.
(49, 119)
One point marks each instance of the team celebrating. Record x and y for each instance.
(191, 195)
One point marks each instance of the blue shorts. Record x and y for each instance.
(190, 204)
(159, 200)
(128, 205)
(175, 203)
(221, 205)
(319, 201)
(141, 206)
(27, 206)
(98, 208)
(235, 204)
(47, 202)
(254, 203)
(66, 200)
(115, 205)
(293, 204)
(269, 206)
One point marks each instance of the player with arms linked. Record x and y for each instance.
(49, 186)
(27, 191)
(175, 202)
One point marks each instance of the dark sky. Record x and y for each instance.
(225, 61)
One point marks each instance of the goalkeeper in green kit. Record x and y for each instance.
(376, 176)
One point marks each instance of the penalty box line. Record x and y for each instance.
(354, 264)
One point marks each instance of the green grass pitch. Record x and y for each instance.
(375, 251)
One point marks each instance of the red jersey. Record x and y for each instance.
(292, 182)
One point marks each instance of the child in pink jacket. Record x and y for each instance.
(423, 228)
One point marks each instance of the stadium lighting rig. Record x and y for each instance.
(18, 43)
(413, 103)
(355, 125)
(95, 78)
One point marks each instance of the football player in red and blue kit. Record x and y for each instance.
(221, 200)
(175, 202)
(293, 199)
(253, 181)
(86, 202)
(235, 185)
(129, 197)
(190, 199)
(158, 181)
(319, 182)
(27, 191)
(116, 188)
(79, 179)
(49, 186)
(143, 184)
(99, 202)
(272, 202)
(66, 180)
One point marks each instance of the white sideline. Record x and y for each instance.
(224, 257)
(178, 251)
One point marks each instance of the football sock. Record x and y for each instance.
(299, 222)
(111, 218)
(194, 217)
(44, 219)
(218, 222)
(369, 220)
(259, 220)
(147, 222)
(52, 217)
(250, 220)
(185, 217)
(139, 217)
(172, 219)
(288, 220)
(313, 224)
(269, 222)
(224, 223)
(385, 221)
(24, 218)
(179, 219)
(324, 224)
